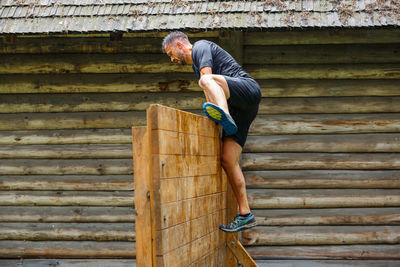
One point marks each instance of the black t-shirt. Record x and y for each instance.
(209, 54)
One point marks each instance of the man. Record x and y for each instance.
(232, 100)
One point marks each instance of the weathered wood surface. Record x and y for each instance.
(324, 263)
(68, 231)
(66, 167)
(327, 161)
(67, 249)
(111, 151)
(343, 216)
(323, 179)
(326, 123)
(55, 137)
(323, 54)
(67, 45)
(144, 209)
(322, 198)
(321, 71)
(321, 235)
(97, 102)
(293, 87)
(88, 63)
(70, 262)
(114, 83)
(66, 198)
(263, 124)
(309, 105)
(327, 143)
(70, 214)
(66, 182)
(17, 103)
(322, 36)
(97, 83)
(362, 252)
(187, 189)
(84, 120)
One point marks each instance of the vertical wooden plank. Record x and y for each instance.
(143, 192)
(188, 190)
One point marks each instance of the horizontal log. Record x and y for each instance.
(97, 83)
(322, 198)
(343, 216)
(70, 151)
(66, 198)
(59, 137)
(323, 179)
(84, 120)
(324, 143)
(322, 263)
(321, 235)
(68, 231)
(105, 44)
(327, 161)
(326, 123)
(322, 36)
(66, 167)
(72, 214)
(88, 63)
(361, 252)
(69, 262)
(67, 249)
(108, 82)
(67, 182)
(322, 54)
(324, 71)
(308, 105)
(335, 87)
(17, 103)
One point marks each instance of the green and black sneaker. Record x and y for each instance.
(240, 223)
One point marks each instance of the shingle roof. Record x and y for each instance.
(88, 16)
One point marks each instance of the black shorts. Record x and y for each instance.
(245, 97)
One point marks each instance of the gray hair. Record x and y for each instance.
(173, 36)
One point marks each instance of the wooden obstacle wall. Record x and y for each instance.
(181, 193)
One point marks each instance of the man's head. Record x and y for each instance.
(177, 46)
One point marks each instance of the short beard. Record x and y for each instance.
(182, 58)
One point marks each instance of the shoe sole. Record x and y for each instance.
(218, 115)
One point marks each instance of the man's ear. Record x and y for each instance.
(179, 44)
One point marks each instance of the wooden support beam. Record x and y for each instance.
(240, 252)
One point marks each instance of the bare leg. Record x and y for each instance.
(230, 162)
(216, 90)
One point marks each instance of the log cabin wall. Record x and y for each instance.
(321, 161)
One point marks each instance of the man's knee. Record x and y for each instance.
(205, 81)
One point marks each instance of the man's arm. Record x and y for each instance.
(205, 70)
